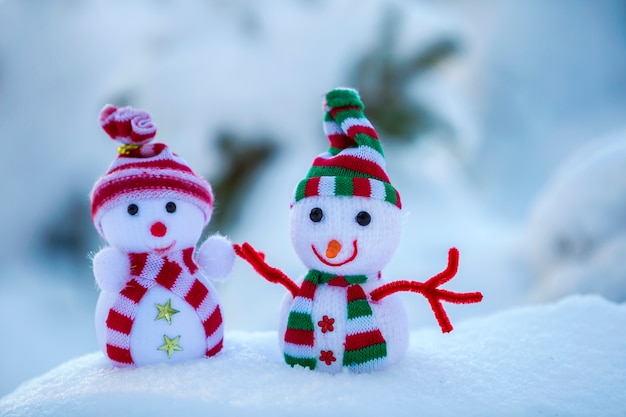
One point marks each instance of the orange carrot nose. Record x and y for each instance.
(333, 249)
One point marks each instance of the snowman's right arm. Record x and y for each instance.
(111, 269)
(257, 261)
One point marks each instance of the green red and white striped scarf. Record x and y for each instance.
(365, 347)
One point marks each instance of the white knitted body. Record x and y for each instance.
(331, 302)
(147, 333)
(112, 268)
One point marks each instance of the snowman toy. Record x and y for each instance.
(156, 303)
(345, 226)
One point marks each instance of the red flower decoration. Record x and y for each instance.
(326, 324)
(327, 356)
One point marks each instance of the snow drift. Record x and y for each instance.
(566, 358)
(576, 234)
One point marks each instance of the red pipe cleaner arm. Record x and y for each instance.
(257, 261)
(433, 294)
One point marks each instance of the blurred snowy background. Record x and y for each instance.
(504, 126)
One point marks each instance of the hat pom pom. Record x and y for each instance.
(127, 125)
(343, 97)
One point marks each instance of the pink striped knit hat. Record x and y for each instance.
(354, 164)
(143, 170)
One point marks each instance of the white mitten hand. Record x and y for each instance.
(216, 257)
(111, 269)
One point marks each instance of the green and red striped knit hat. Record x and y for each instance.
(144, 170)
(354, 164)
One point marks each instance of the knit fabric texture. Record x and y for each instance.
(354, 164)
(143, 170)
(176, 273)
(365, 347)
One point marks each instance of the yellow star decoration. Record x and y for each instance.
(166, 311)
(170, 345)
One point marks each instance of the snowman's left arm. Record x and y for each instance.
(433, 294)
(216, 257)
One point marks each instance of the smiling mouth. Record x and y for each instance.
(327, 262)
(161, 251)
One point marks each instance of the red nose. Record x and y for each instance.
(158, 229)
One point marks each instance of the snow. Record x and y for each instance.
(531, 83)
(560, 359)
(550, 78)
(44, 311)
(199, 67)
(576, 235)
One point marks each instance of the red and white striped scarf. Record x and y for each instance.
(176, 273)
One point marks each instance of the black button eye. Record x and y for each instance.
(133, 209)
(363, 218)
(170, 207)
(316, 214)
